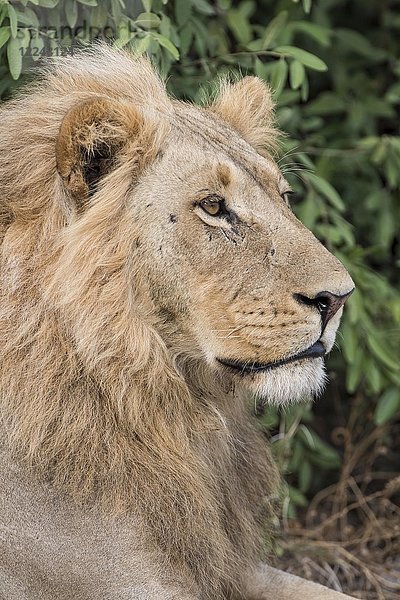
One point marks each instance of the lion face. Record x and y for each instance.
(236, 281)
(249, 289)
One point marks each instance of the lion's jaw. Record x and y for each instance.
(282, 380)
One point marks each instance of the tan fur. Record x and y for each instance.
(251, 114)
(98, 126)
(116, 299)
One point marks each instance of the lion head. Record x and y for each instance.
(153, 276)
(233, 280)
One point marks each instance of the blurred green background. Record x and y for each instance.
(334, 67)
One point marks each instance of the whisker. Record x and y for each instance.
(289, 168)
(289, 152)
(231, 331)
(297, 175)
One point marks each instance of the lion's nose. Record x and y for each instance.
(326, 303)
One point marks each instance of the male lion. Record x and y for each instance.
(153, 281)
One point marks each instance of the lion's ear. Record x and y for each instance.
(247, 105)
(92, 137)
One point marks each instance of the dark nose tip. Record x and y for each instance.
(327, 304)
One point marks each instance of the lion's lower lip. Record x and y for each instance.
(315, 351)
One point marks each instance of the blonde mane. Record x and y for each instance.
(91, 398)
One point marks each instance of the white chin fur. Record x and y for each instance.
(289, 383)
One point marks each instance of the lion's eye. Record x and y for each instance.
(212, 206)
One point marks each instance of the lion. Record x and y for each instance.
(155, 285)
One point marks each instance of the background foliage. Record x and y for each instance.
(334, 66)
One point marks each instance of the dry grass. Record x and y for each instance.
(349, 537)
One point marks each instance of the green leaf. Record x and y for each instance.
(116, 12)
(297, 74)
(381, 352)
(140, 45)
(37, 48)
(279, 76)
(88, 2)
(124, 35)
(326, 189)
(297, 456)
(355, 371)
(317, 32)
(273, 29)
(147, 4)
(166, 29)
(4, 35)
(355, 307)
(24, 39)
(350, 343)
(183, 10)
(254, 45)
(306, 58)
(28, 17)
(308, 211)
(99, 16)
(148, 20)
(12, 15)
(186, 37)
(247, 8)
(201, 36)
(14, 56)
(204, 7)
(387, 407)
(305, 474)
(373, 376)
(305, 88)
(270, 417)
(71, 12)
(47, 3)
(261, 69)
(163, 41)
(239, 25)
(327, 103)
(297, 497)
(306, 436)
(360, 44)
(320, 450)
(392, 171)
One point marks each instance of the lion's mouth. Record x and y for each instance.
(315, 351)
